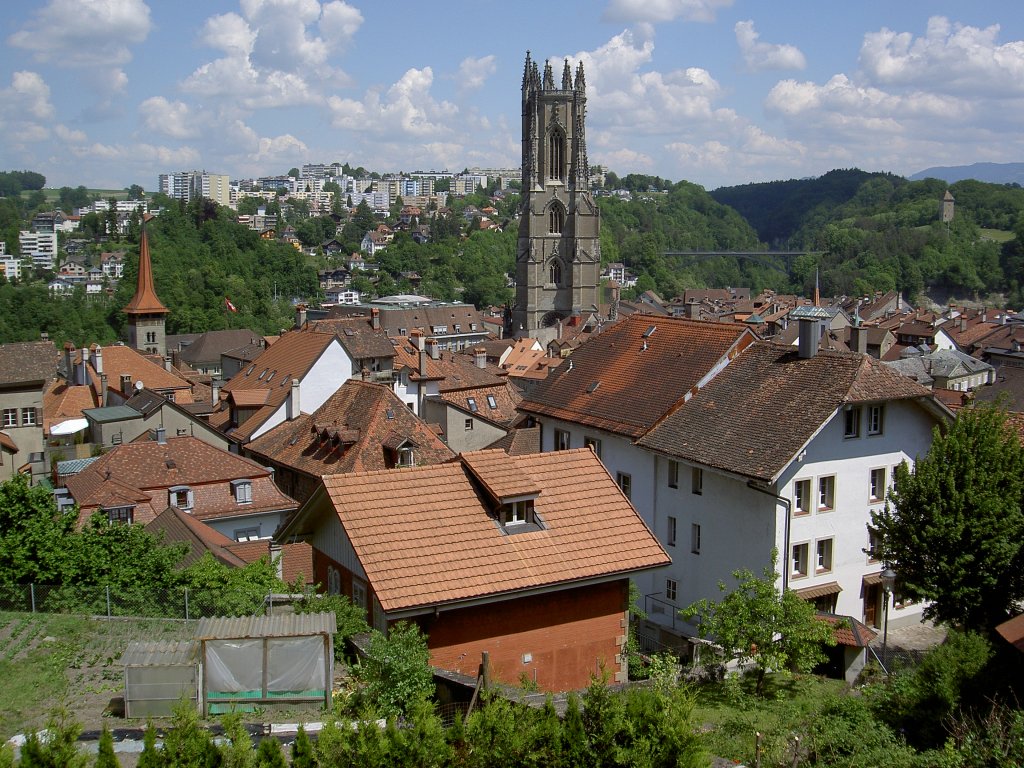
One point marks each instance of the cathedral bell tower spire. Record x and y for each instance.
(558, 254)
(146, 313)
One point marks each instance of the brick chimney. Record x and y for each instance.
(82, 376)
(480, 356)
(126, 385)
(300, 316)
(423, 362)
(375, 319)
(97, 358)
(434, 349)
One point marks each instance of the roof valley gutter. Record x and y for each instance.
(789, 506)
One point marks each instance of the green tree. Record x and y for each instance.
(151, 757)
(953, 526)
(105, 757)
(237, 751)
(136, 192)
(396, 672)
(60, 747)
(187, 744)
(757, 622)
(303, 754)
(269, 754)
(33, 534)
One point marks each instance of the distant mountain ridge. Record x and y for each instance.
(993, 173)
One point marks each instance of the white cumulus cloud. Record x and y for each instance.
(170, 118)
(473, 72)
(759, 56)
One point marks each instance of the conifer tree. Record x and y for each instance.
(269, 754)
(106, 758)
(302, 750)
(151, 757)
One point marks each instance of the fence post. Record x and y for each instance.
(32, 592)
(108, 601)
(186, 603)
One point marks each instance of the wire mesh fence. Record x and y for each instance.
(182, 603)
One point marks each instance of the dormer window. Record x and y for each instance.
(406, 457)
(472, 404)
(518, 513)
(491, 402)
(180, 496)
(242, 490)
(124, 515)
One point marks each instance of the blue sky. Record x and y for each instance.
(108, 93)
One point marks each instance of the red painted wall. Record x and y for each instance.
(567, 633)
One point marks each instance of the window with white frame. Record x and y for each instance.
(876, 419)
(697, 480)
(594, 443)
(670, 534)
(406, 456)
(826, 492)
(561, 440)
(798, 559)
(180, 496)
(518, 512)
(247, 534)
(673, 474)
(872, 550)
(671, 590)
(851, 423)
(469, 425)
(625, 482)
(28, 417)
(10, 417)
(242, 490)
(695, 538)
(876, 490)
(823, 554)
(492, 403)
(801, 497)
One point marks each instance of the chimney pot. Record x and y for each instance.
(161, 436)
(808, 339)
(375, 319)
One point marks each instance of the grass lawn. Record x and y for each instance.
(998, 235)
(731, 714)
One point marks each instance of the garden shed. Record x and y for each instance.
(157, 675)
(261, 659)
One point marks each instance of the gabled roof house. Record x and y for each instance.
(525, 557)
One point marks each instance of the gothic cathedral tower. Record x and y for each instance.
(559, 253)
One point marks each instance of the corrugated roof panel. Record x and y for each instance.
(278, 625)
(160, 653)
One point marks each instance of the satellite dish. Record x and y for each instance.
(138, 386)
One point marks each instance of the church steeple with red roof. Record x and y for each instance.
(146, 313)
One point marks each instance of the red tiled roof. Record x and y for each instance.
(848, 630)
(180, 527)
(357, 335)
(506, 398)
(755, 416)
(62, 401)
(519, 441)
(601, 383)
(1012, 631)
(143, 471)
(446, 547)
(365, 415)
(8, 443)
(291, 357)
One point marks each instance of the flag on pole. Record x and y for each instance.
(230, 307)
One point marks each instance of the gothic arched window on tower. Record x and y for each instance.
(556, 218)
(556, 154)
(555, 273)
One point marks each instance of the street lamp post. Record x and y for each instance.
(888, 581)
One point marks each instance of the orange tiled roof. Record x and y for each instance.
(519, 441)
(63, 401)
(453, 371)
(363, 415)
(120, 360)
(598, 385)
(445, 546)
(145, 301)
